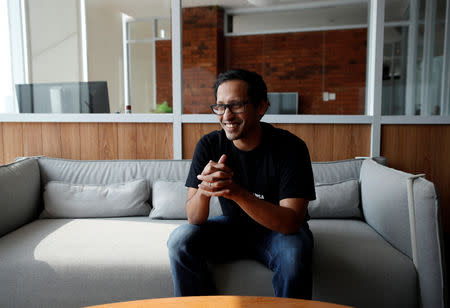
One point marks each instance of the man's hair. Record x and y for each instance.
(257, 89)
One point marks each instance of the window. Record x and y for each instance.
(415, 68)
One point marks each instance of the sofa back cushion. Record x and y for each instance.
(337, 189)
(336, 200)
(336, 171)
(119, 171)
(68, 200)
(328, 177)
(19, 194)
(169, 198)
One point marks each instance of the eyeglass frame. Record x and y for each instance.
(229, 106)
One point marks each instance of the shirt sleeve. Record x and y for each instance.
(296, 175)
(199, 161)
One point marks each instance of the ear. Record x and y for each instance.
(262, 108)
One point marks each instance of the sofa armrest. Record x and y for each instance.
(384, 198)
(20, 189)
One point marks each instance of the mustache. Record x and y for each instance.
(231, 122)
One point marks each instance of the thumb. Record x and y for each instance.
(222, 159)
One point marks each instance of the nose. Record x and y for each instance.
(227, 113)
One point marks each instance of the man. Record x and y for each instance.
(263, 178)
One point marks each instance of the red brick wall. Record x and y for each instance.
(202, 56)
(163, 71)
(202, 59)
(305, 62)
(308, 63)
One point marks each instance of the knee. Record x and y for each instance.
(294, 257)
(180, 238)
(293, 260)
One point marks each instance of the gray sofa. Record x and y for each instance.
(365, 252)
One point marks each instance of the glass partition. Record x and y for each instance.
(72, 41)
(415, 69)
(317, 51)
(148, 56)
(395, 54)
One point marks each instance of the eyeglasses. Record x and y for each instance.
(235, 108)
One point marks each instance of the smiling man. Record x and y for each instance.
(263, 178)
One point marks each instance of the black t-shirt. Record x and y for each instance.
(278, 168)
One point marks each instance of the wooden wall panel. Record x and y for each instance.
(70, 140)
(333, 141)
(126, 141)
(164, 141)
(318, 138)
(89, 141)
(108, 141)
(51, 139)
(421, 149)
(86, 141)
(325, 141)
(192, 133)
(32, 139)
(145, 144)
(2, 158)
(351, 140)
(12, 141)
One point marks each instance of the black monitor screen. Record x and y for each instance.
(64, 97)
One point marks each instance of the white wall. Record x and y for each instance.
(54, 40)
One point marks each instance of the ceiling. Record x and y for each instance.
(234, 4)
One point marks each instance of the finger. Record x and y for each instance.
(222, 159)
(208, 168)
(214, 186)
(205, 192)
(216, 176)
(205, 186)
(220, 167)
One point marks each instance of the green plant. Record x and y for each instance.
(163, 108)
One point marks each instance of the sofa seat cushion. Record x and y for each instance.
(354, 265)
(51, 261)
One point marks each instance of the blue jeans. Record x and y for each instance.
(220, 239)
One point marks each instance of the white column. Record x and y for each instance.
(177, 82)
(427, 60)
(126, 83)
(83, 41)
(374, 72)
(445, 88)
(155, 86)
(411, 69)
(17, 47)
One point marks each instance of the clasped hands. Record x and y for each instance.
(217, 180)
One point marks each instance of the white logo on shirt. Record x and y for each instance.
(259, 196)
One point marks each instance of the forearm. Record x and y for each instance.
(197, 207)
(274, 217)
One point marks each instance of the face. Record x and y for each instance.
(238, 127)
